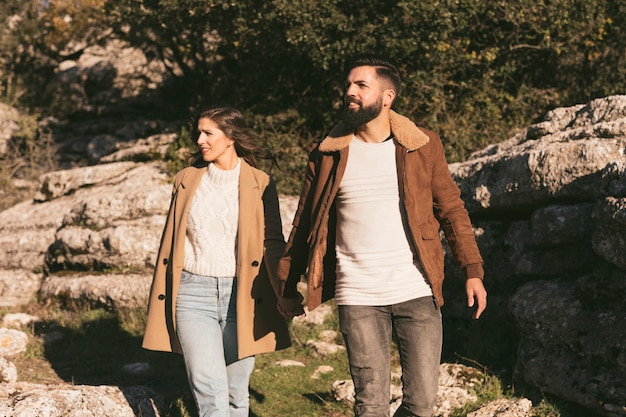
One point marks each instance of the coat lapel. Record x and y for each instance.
(185, 190)
(190, 181)
(248, 199)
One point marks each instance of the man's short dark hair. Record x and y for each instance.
(385, 68)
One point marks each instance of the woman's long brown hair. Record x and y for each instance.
(232, 123)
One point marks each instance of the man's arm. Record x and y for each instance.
(294, 261)
(455, 221)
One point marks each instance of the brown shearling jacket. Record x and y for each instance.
(430, 200)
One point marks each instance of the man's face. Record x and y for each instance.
(363, 99)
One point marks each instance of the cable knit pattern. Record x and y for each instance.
(211, 241)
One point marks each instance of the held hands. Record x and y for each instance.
(476, 291)
(290, 307)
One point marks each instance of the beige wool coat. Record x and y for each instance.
(260, 327)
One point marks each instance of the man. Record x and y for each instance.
(366, 231)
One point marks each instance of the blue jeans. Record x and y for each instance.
(206, 323)
(417, 329)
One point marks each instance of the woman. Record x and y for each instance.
(213, 294)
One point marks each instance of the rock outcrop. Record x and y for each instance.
(549, 206)
(24, 399)
(92, 219)
(103, 75)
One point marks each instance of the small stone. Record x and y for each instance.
(18, 320)
(323, 369)
(289, 362)
(8, 372)
(12, 342)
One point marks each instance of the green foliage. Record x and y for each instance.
(29, 154)
(63, 22)
(545, 409)
(489, 388)
(36, 36)
(179, 152)
(18, 27)
(474, 71)
(287, 147)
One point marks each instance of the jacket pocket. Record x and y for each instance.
(429, 230)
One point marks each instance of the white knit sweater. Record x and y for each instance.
(211, 240)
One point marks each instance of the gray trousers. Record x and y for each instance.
(417, 329)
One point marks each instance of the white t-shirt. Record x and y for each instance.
(375, 264)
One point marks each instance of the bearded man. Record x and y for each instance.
(366, 232)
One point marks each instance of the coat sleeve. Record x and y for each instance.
(274, 241)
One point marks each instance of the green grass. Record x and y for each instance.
(291, 391)
(97, 343)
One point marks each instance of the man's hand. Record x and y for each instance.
(290, 307)
(476, 290)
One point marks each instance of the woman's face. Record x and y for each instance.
(215, 146)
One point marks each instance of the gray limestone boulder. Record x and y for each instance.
(26, 400)
(549, 210)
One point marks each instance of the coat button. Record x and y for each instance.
(161, 297)
(255, 263)
(164, 261)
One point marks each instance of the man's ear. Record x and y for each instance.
(388, 97)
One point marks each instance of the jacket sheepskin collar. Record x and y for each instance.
(407, 134)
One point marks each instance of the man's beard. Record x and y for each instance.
(353, 119)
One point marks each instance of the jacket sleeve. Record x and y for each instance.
(294, 261)
(450, 211)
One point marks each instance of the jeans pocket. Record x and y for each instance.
(186, 277)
